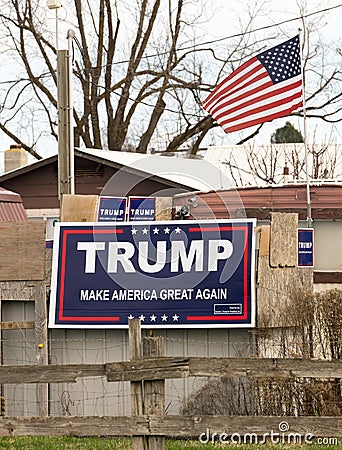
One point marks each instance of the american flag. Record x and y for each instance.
(266, 87)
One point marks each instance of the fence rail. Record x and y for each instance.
(171, 426)
(157, 368)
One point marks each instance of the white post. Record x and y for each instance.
(70, 36)
(309, 217)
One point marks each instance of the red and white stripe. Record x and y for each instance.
(248, 97)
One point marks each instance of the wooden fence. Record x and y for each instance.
(147, 371)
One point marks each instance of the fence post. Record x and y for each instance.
(154, 391)
(41, 337)
(134, 341)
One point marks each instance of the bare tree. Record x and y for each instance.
(270, 164)
(139, 74)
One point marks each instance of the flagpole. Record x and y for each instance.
(308, 199)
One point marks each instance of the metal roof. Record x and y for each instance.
(326, 201)
(11, 207)
(195, 174)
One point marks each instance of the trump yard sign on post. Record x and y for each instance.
(305, 247)
(141, 208)
(111, 209)
(185, 274)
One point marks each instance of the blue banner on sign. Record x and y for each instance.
(305, 247)
(112, 209)
(168, 274)
(141, 208)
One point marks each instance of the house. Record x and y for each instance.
(113, 173)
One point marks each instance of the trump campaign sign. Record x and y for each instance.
(305, 247)
(141, 208)
(185, 274)
(111, 209)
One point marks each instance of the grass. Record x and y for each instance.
(72, 443)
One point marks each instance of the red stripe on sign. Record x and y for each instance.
(116, 231)
(214, 317)
(206, 229)
(92, 319)
(61, 316)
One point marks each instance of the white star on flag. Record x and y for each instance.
(134, 231)
(164, 318)
(167, 230)
(153, 318)
(155, 230)
(178, 230)
(145, 231)
(175, 318)
(142, 317)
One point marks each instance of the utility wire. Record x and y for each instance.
(192, 47)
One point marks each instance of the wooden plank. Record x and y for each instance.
(174, 367)
(145, 369)
(264, 245)
(163, 208)
(53, 373)
(48, 266)
(19, 242)
(171, 367)
(277, 293)
(18, 290)
(73, 426)
(17, 325)
(283, 239)
(41, 339)
(173, 426)
(79, 208)
(262, 426)
(135, 352)
(154, 391)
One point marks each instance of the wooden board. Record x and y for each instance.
(163, 208)
(278, 289)
(264, 245)
(283, 239)
(22, 251)
(174, 426)
(18, 290)
(79, 208)
(172, 367)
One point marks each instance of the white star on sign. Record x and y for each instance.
(134, 231)
(130, 316)
(155, 230)
(145, 231)
(164, 318)
(178, 230)
(167, 230)
(175, 318)
(153, 318)
(142, 317)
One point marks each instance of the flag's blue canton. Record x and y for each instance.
(283, 61)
